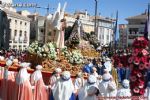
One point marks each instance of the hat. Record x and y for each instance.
(125, 83)
(79, 74)
(23, 65)
(106, 70)
(106, 77)
(107, 59)
(27, 64)
(15, 60)
(58, 70)
(66, 75)
(39, 67)
(94, 69)
(2, 58)
(9, 62)
(92, 79)
(11, 57)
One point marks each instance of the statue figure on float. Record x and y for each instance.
(57, 25)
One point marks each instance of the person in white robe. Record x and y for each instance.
(112, 87)
(2, 68)
(55, 77)
(23, 88)
(103, 86)
(124, 91)
(147, 91)
(5, 81)
(90, 89)
(64, 87)
(40, 89)
(79, 81)
(95, 72)
(108, 64)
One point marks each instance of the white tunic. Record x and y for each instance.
(63, 89)
(103, 87)
(78, 83)
(108, 66)
(123, 92)
(88, 89)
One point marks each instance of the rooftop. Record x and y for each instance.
(103, 18)
(16, 15)
(137, 17)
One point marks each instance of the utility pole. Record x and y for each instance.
(95, 26)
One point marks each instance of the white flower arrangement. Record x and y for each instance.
(47, 50)
(76, 57)
(33, 47)
(65, 52)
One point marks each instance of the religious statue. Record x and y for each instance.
(62, 33)
(79, 26)
(75, 36)
(57, 25)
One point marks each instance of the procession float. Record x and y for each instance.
(69, 55)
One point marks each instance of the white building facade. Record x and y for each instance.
(19, 30)
(105, 31)
(19, 26)
(135, 27)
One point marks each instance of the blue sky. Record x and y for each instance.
(106, 8)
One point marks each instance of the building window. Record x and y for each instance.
(20, 22)
(20, 47)
(103, 36)
(15, 36)
(107, 36)
(10, 34)
(25, 36)
(20, 33)
(133, 30)
(15, 21)
(14, 47)
(25, 23)
(9, 20)
(100, 36)
(42, 30)
(15, 32)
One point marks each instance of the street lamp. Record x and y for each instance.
(95, 26)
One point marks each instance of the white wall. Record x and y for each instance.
(20, 26)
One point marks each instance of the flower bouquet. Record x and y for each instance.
(139, 61)
(76, 57)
